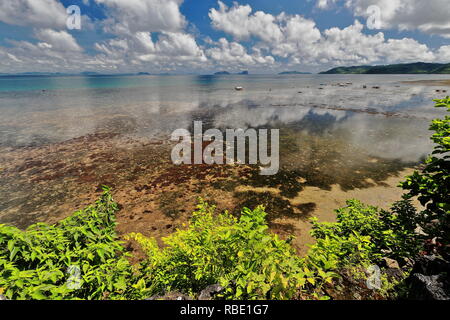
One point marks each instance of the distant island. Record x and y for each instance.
(408, 68)
(226, 73)
(36, 74)
(60, 74)
(293, 72)
(89, 73)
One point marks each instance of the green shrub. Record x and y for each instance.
(39, 263)
(240, 254)
(362, 236)
(251, 263)
(390, 234)
(432, 186)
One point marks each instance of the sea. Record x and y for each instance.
(341, 136)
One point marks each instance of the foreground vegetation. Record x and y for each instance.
(82, 258)
(240, 254)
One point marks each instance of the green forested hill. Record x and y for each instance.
(410, 68)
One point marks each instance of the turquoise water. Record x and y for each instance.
(210, 82)
(35, 83)
(32, 83)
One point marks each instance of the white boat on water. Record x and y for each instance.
(239, 88)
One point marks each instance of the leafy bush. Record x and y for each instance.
(362, 236)
(432, 186)
(366, 233)
(41, 262)
(240, 254)
(251, 263)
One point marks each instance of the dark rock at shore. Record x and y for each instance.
(210, 292)
(431, 265)
(430, 279)
(171, 296)
(429, 287)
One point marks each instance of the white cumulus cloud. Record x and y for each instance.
(235, 55)
(58, 40)
(36, 13)
(129, 16)
(300, 41)
(427, 16)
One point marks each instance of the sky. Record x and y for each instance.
(203, 36)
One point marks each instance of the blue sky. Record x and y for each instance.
(200, 36)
